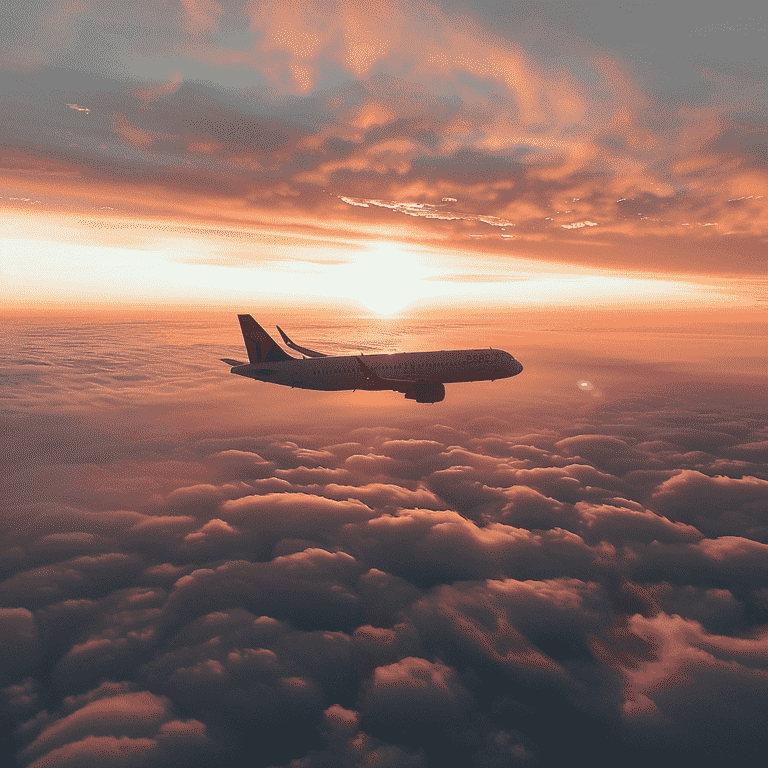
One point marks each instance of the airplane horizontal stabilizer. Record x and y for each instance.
(231, 362)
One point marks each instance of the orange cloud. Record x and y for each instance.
(159, 91)
(130, 134)
(586, 162)
(201, 16)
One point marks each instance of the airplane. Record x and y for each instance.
(420, 376)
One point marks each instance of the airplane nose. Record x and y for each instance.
(516, 367)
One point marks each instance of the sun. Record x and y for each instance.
(385, 279)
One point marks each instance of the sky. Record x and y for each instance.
(219, 152)
(567, 566)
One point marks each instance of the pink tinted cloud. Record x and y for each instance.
(129, 715)
(500, 641)
(114, 724)
(104, 749)
(292, 512)
(614, 523)
(201, 17)
(135, 137)
(213, 529)
(686, 657)
(360, 38)
(688, 488)
(154, 93)
(417, 691)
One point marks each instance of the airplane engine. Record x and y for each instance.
(430, 392)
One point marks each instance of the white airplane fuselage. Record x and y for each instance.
(345, 372)
(420, 376)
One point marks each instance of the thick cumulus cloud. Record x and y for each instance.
(451, 599)
(114, 724)
(470, 126)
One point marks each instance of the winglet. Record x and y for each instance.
(293, 345)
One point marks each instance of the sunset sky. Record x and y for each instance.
(566, 567)
(202, 152)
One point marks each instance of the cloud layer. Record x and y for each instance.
(368, 595)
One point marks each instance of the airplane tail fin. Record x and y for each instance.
(260, 345)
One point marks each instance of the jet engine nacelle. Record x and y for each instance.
(431, 392)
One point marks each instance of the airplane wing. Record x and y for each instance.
(303, 350)
(378, 382)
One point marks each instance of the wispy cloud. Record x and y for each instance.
(428, 211)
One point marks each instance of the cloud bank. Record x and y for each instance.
(376, 597)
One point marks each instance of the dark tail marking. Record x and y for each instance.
(260, 345)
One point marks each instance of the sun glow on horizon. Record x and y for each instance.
(386, 280)
(384, 277)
